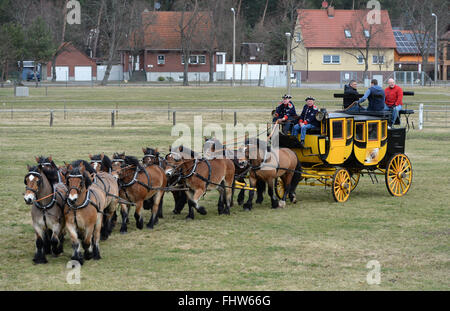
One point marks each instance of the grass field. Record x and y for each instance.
(314, 245)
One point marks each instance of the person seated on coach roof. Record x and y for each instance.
(394, 97)
(285, 113)
(350, 93)
(375, 95)
(307, 120)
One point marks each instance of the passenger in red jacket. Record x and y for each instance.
(394, 99)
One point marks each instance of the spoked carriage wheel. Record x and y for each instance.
(398, 175)
(355, 180)
(341, 186)
(279, 188)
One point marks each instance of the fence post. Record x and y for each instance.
(235, 118)
(112, 118)
(174, 117)
(168, 111)
(65, 109)
(420, 116)
(51, 118)
(117, 111)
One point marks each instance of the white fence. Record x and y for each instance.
(433, 116)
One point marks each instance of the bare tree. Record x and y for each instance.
(187, 27)
(116, 19)
(418, 19)
(362, 37)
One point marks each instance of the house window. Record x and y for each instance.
(366, 33)
(298, 37)
(195, 59)
(161, 59)
(348, 34)
(202, 59)
(331, 59)
(378, 59)
(360, 60)
(220, 59)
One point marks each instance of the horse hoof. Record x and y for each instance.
(88, 255)
(123, 232)
(201, 210)
(40, 260)
(176, 212)
(259, 201)
(246, 209)
(189, 217)
(240, 203)
(282, 204)
(149, 226)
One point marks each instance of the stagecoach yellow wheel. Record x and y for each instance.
(355, 180)
(279, 188)
(341, 187)
(398, 175)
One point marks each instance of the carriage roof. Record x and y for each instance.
(360, 116)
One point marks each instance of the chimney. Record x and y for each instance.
(330, 11)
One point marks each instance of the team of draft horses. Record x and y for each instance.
(81, 198)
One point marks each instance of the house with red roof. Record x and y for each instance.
(330, 43)
(156, 49)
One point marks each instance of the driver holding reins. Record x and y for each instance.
(285, 113)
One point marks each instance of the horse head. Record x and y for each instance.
(33, 182)
(116, 163)
(151, 156)
(77, 179)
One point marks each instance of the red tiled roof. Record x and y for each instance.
(320, 31)
(162, 29)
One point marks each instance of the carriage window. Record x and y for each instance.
(324, 128)
(383, 130)
(373, 130)
(349, 128)
(359, 131)
(337, 129)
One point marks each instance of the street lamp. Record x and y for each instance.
(288, 63)
(234, 42)
(435, 50)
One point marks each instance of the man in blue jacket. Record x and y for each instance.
(307, 120)
(375, 95)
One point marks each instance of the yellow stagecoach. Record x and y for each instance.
(347, 146)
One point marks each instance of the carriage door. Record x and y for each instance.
(373, 142)
(337, 141)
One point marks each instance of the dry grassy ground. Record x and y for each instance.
(314, 245)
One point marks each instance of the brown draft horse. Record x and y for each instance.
(48, 200)
(268, 165)
(87, 201)
(201, 175)
(214, 148)
(152, 157)
(137, 184)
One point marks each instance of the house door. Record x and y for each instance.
(83, 73)
(62, 73)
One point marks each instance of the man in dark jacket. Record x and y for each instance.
(307, 120)
(350, 93)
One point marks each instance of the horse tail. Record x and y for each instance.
(296, 178)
